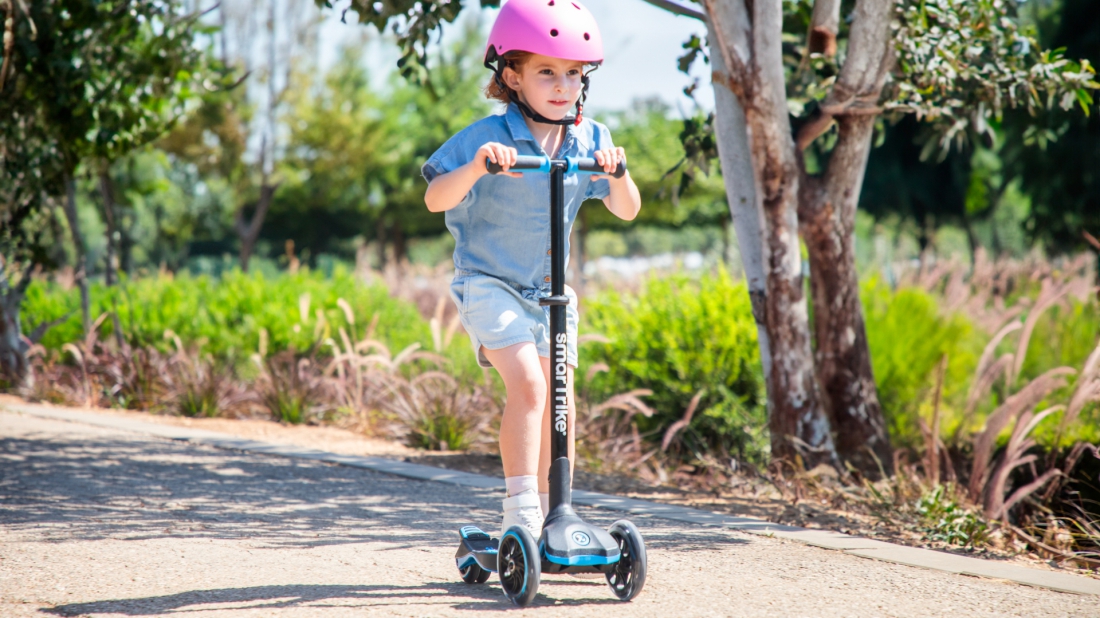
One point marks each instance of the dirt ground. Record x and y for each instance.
(748, 498)
(104, 523)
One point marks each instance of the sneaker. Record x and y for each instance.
(523, 510)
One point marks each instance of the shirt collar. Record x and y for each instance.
(517, 126)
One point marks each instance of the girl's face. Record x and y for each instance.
(550, 86)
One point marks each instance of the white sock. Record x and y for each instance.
(545, 498)
(519, 484)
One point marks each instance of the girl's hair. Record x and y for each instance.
(499, 92)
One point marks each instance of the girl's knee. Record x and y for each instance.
(528, 394)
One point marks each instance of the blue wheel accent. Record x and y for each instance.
(582, 560)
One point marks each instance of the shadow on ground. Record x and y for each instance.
(89, 487)
(482, 598)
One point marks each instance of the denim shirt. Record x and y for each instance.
(502, 226)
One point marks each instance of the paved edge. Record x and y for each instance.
(855, 546)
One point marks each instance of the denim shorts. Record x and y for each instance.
(497, 314)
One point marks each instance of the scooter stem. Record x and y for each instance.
(560, 476)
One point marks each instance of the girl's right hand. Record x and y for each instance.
(505, 156)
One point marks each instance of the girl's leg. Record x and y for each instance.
(544, 449)
(519, 367)
(521, 427)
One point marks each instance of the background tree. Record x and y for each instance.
(268, 38)
(354, 152)
(1055, 154)
(85, 82)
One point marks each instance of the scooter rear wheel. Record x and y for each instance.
(474, 574)
(519, 566)
(628, 576)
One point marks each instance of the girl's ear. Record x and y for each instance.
(511, 78)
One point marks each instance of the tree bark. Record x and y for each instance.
(827, 212)
(762, 176)
(842, 357)
(14, 369)
(824, 26)
(81, 253)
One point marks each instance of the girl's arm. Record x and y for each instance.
(625, 201)
(447, 190)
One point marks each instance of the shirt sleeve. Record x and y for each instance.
(599, 189)
(450, 156)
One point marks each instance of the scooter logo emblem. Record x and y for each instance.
(581, 538)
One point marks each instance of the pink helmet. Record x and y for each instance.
(556, 28)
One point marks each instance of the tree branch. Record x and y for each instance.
(824, 26)
(678, 9)
(1091, 239)
(859, 85)
(39, 331)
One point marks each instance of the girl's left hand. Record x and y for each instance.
(609, 158)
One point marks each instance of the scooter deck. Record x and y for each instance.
(476, 547)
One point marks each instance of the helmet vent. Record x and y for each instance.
(551, 3)
(553, 33)
(586, 36)
(575, 6)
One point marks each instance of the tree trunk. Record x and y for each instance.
(81, 254)
(842, 357)
(14, 370)
(971, 239)
(112, 228)
(400, 245)
(107, 191)
(249, 231)
(762, 178)
(380, 237)
(827, 210)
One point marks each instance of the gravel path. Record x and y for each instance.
(97, 522)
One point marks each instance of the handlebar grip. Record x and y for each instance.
(523, 163)
(589, 166)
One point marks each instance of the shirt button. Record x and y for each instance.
(546, 279)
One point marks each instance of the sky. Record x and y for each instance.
(641, 46)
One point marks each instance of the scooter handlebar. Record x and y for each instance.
(577, 165)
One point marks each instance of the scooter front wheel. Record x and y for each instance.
(628, 576)
(519, 566)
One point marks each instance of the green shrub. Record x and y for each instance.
(677, 337)
(908, 336)
(227, 314)
(945, 521)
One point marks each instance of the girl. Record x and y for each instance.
(541, 52)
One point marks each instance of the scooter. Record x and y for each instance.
(567, 544)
